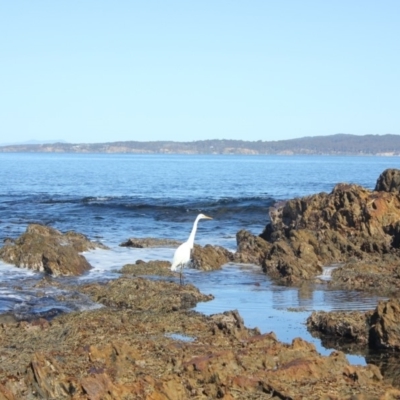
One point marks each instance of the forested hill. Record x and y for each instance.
(340, 144)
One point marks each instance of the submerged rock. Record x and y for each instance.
(149, 242)
(45, 249)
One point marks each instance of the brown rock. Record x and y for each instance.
(349, 325)
(81, 243)
(139, 294)
(251, 249)
(6, 394)
(306, 233)
(99, 386)
(389, 181)
(388, 364)
(231, 323)
(141, 268)
(385, 325)
(45, 249)
(46, 372)
(125, 350)
(360, 331)
(382, 276)
(209, 257)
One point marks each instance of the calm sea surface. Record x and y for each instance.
(113, 197)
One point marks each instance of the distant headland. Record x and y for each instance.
(339, 144)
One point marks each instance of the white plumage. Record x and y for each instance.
(182, 255)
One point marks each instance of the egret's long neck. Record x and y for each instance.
(193, 233)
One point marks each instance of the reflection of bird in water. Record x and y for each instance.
(182, 254)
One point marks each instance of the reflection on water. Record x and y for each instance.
(251, 286)
(283, 310)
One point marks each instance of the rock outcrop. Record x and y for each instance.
(45, 249)
(349, 224)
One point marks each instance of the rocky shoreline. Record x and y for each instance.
(146, 343)
(353, 226)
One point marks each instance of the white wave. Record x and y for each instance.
(11, 272)
(106, 262)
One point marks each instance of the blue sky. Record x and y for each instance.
(99, 71)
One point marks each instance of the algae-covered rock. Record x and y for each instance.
(142, 268)
(135, 347)
(351, 325)
(45, 249)
(142, 294)
(381, 276)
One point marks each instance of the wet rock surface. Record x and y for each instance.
(353, 326)
(373, 334)
(351, 224)
(378, 329)
(209, 258)
(45, 249)
(139, 294)
(135, 347)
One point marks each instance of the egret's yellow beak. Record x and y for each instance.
(207, 217)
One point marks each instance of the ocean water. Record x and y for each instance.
(111, 198)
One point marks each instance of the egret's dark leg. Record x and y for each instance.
(180, 277)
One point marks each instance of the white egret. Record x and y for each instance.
(182, 254)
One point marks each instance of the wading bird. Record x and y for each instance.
(182, 254)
